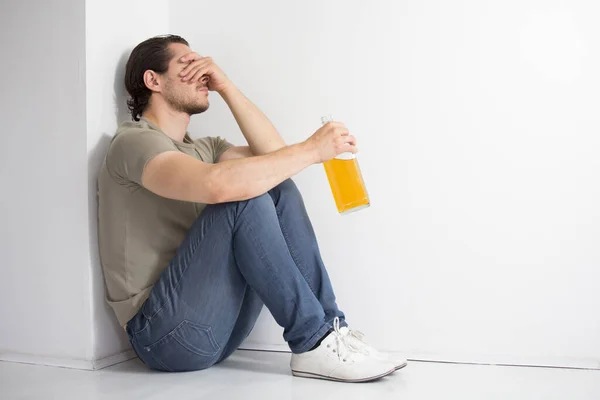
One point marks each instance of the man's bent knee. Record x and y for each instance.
(286, 188)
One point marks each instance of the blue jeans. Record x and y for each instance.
(237, 256)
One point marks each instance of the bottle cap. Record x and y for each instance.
(326, 119)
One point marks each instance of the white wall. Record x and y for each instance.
(478, 123)
(60, 105)
(113, 29)
(44, 250)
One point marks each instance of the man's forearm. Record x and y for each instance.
(261, 135)
(246, 178)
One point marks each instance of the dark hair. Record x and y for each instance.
(151, 54)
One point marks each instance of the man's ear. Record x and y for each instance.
(152, 80)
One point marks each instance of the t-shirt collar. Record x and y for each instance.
(187, 140)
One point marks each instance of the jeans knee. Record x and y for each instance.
(261, 202)
(285, 189)
(287, 186)
(233, 208)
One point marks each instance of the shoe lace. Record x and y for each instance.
(358, 342)
(344, 350)
(358, 335)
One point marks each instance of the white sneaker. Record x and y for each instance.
(357, 341)
(336, 360)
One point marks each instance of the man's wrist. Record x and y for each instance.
(310, 150)
(227, 89)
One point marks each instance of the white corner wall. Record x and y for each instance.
(113, 29)
(60, 106)
(478, 123)
(44, 247)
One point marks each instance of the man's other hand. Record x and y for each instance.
(203, 69)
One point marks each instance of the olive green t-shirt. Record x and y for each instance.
(139, 231)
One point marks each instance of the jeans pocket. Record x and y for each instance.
(188, 347)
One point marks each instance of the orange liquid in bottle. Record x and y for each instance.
(347, 185)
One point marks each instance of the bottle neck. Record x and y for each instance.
(326, 119)
(344, 156)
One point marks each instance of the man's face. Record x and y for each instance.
(190, 98)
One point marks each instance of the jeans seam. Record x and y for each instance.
(146, 325)
(262, 252)
(173, 335)
(216, 348)
(257, 245)
(159, 362)
(168, 297)
(292, 252)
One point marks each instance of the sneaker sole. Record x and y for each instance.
(401, 366)
(301, 374)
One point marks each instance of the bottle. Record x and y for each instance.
(346, 181)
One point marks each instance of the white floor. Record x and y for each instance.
(261, 375)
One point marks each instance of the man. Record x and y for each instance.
(195, 236)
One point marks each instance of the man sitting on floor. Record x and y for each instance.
(196, 235)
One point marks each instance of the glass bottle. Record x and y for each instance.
(346, 181)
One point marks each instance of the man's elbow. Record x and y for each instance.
(219, 189)
(216, 192)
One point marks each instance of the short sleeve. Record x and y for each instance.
(214, 145)
(219, 146)
(130, 151)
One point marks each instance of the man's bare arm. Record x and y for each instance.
(236, 152)
(178, 176)
(261, 135)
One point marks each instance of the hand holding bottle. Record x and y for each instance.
(331, 140)
(337, 154)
